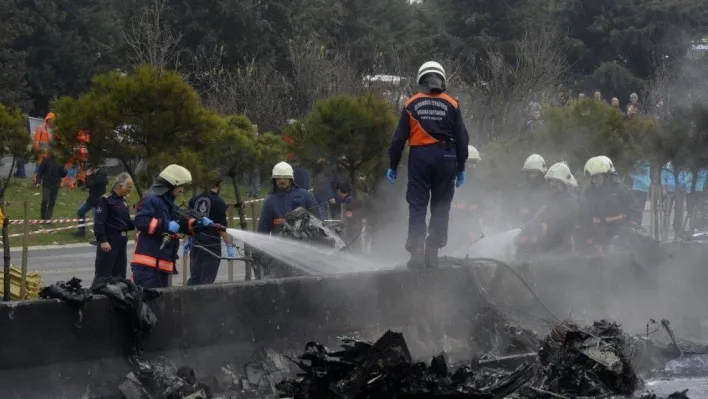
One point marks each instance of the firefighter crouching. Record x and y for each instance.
(532, 194)
(607, 205)
(552, 227)
(111, 229)
(158, 224)
(465, 211)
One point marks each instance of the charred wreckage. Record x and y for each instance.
(572, 361)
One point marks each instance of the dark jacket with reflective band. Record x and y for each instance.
(279, 204)
(152, 220)
(209, 204)
(427, 119)
(554, 224)
(605, 209)
(112, 217)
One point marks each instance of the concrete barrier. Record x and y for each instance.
(42, 353)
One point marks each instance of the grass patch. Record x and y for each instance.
(68, 201)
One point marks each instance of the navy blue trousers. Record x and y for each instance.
(431, 180)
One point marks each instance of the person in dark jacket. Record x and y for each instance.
(111, 229)
(431, 122)
(552, 227)
(302, 177)
(50, 174)
(324, 184)
(608, 205)
(285, 198)
(203, 265)
(352, 217)
(96, 183)
(158, 224)
(528, 199)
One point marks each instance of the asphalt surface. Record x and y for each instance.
(61, 263)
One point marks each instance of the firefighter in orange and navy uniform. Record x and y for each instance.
(431, 122)
(158, 223)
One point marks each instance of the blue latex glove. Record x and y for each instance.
(460, 179)
(173, 227)
(187, 245)
(391, 175)
(205, 221)
(230, 251)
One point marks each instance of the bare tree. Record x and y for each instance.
(151, 39)
(500, 95)
(318, 73)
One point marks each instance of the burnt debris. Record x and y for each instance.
(573, 361)
(72, 292)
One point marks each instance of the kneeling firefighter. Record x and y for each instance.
(531, 195)
(465, 212)
(158, 223)
(431, 122)
(551, 229)
(608, 204)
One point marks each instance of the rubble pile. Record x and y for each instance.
(162, 380)
(589, 361)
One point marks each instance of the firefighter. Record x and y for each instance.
(351, 216)
(158, 224)
(532, 194)
(608, 204)
(204, 266)
(42, 142)
(285, 198)
(432, 123)
(465, 211)
(111, 229)
(552, 227)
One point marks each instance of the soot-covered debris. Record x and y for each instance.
(301, 225)
(70, 291)
(162, 380)
(574, 361)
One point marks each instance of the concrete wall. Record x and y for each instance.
(44, 355)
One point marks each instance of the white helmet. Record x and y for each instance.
(431, 67)
(608, 160)
(534, 163)
(573, 182)
(473, 154)
(596, 166)
(560, 172)
(176, 175)
(283, 170)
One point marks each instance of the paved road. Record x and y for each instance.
(63, 263)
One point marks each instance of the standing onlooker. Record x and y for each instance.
(616, 105)
(597, 96)
(204, 266)
(42, 142)
(302, 176)
(670, 188)
(111, 229)
(535, 122)
(96, 183)
(50, 174)
(324, 185)
(634, 100)
(641, 175)
(632, 111)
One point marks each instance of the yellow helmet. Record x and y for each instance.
(176, 175)
(597, 166)
(534, 163)
(560, 172)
